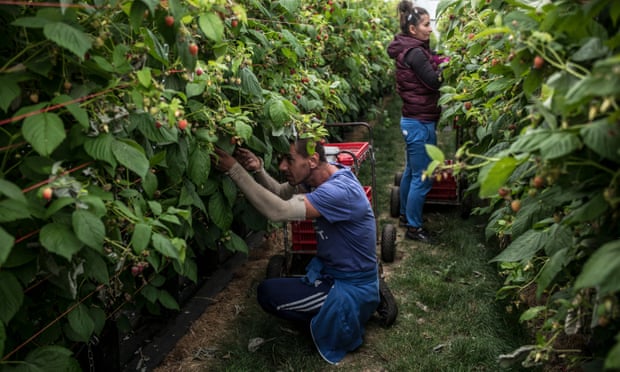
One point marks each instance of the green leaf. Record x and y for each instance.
(236, 243)
(603, 137)
(177, 155)
(44, 131)
(150, 293)
(11, 191)
(561, 236)
(144, 77)
(58, 238)
(146, 125)
(95, 204)
(167, 300)
(68, 37)
(291, 6)
(163, 245)
(559, 144)
(212, 26)
(550, 269)
(51, 358)
(13, 210)
(128, 153)
(10, 90)
(89, 229)
(151, 4)
(30, 22)
(523, 248)
(149, 184)
(6, 243)
(100, 148)
(530, 141)
(141, 237)
(81, 322)
(194, 89)
(204, 134)
(612, 362)
(95, 267)
(435, 153)
(277, 112)
(230, 190)
(531, 313)
(80, 114)
(249, 82)
(493, 177)
(602, 270)
(243, 130)
(57, 205)
(592, 48)
(12, 295)
(220, 211)
(154, 46)
(189, 196)
(155, 207)
(589, 211)
(199, 166)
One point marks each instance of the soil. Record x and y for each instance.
(194, 349)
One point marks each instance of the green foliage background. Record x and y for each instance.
(116, 106)
(537, 99)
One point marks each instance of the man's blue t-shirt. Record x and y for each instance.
(346, 231)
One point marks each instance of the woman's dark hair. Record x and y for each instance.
(409, 15)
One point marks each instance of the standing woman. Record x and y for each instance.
(418, 78)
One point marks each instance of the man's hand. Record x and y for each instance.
(248, 159)
(222, 160)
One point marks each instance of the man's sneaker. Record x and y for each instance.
(387, 309)
(419, 234)
(402, 220)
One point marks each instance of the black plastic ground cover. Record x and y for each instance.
(153, 338)
(153, 351)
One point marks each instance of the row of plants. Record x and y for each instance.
(535, 88)
(109, 114)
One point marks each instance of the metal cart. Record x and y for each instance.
(448, 190)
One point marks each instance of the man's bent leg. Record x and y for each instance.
(291, 299)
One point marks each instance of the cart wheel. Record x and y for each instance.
(395, 202)
(275, 266)
(388, 309)
(388, 243)
(465, 200)
(397, 177)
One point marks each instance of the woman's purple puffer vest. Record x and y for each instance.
(419, 100)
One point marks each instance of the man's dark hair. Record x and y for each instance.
(302, 148)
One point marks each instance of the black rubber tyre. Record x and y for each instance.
(275, 266)
(465, 199)
(388, 309)
(397, 177)
(388, 243)
(395, 202)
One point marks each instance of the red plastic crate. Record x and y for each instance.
(444, 189)
(358, 149)
(304, 236)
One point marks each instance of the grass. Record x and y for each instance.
(448, 319)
